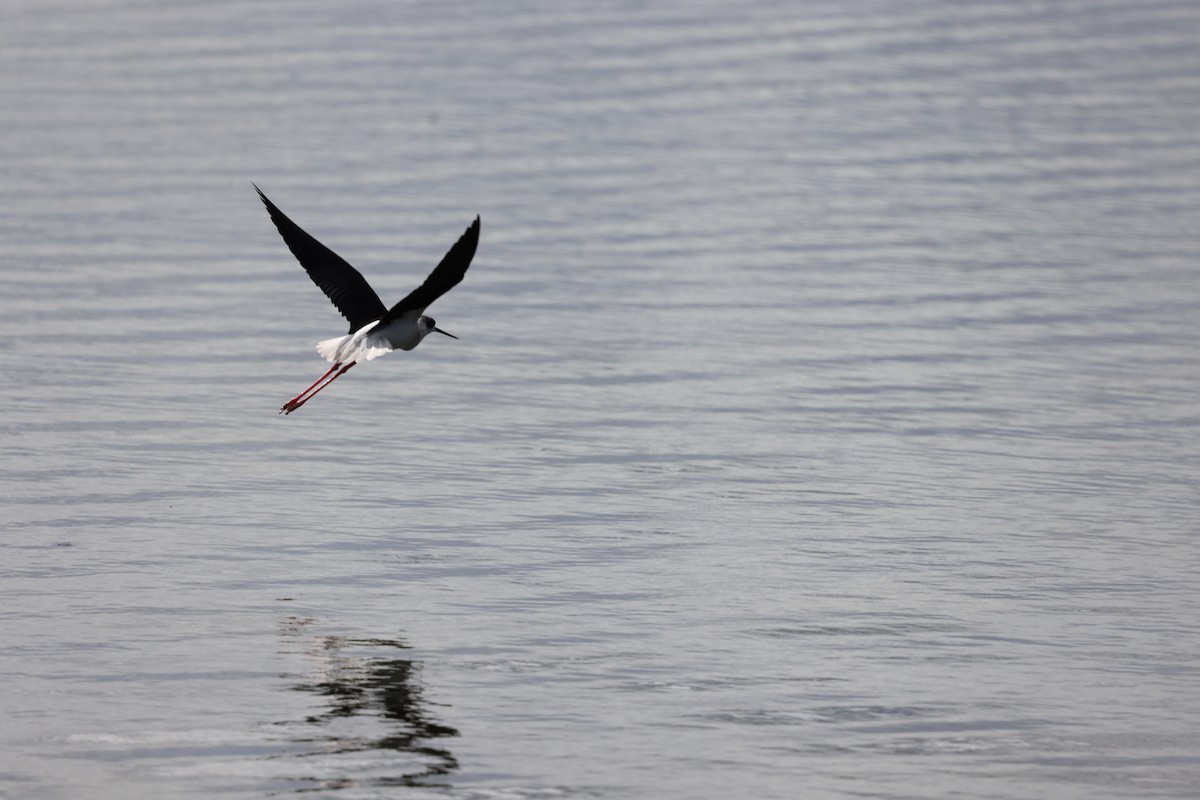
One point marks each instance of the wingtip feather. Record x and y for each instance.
(262, 196)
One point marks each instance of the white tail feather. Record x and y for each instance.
(331, 349)
(358, 346)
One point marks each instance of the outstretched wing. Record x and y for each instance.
(445, 276)
(340, 282)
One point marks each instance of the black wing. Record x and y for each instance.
(445, 276)
(340, 282)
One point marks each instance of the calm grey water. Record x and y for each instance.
(823, 423)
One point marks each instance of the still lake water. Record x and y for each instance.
(823, 425)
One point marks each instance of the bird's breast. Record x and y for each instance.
(402, 334)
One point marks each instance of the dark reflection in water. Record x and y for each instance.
(376, 708)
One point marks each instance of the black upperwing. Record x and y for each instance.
(341, 283)
(445, 276)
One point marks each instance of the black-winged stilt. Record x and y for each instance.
(374, 329)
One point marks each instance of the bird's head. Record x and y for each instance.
(430, 326)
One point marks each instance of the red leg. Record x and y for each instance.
(329, 372)
(308, 394)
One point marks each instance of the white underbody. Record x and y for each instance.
(370, 342)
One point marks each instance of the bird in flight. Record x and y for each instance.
(375, 330)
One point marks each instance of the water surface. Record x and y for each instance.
(823, 422)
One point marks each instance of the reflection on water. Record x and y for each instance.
(376, 728)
